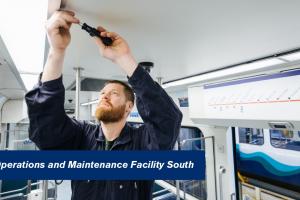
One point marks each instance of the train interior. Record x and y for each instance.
(233, 69)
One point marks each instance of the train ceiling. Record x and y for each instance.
(183, 38)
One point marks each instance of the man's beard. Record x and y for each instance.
(111, 114)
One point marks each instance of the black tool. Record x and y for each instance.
(94, 32)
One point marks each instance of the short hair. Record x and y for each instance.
(127, 89)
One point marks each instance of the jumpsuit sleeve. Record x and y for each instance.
(50, 127)
(161, 116)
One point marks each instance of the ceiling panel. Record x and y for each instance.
(183, 38)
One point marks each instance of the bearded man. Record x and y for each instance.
(51, 128)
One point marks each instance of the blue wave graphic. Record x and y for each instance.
(271, 165)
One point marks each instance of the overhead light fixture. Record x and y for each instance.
(90, 102)
(291, 57)
(248, 67)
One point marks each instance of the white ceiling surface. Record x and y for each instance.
(11, 85)
(183, 37)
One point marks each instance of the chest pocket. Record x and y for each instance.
(123, 190)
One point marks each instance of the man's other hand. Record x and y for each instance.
(119, 51)
(58, 29)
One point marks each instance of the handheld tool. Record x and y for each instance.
(94, 32)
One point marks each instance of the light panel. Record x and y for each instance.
(291, 57)
(226, 72)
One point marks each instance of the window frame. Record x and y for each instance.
(280, 147)
(261, 130)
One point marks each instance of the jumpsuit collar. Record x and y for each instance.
(123, 138)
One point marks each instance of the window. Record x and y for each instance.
(251, 136)
(18, 137)
(285, 139)
(135, 124)
(189, 139)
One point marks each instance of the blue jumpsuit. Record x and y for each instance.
(50, 128)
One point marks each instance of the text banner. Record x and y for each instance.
(103, 165)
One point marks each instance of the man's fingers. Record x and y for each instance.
(68, 11)
(101, 29)
(58, 23)
(99, 43)
(69, 18)
(112, 35)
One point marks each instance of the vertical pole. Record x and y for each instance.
(222, 171)
(177, 190)
(159, 80)
(3, 136)
(78, 85)
(90, 112)
(7, 136)
(45, 190)
(28, 186)
(257, 193)
(236, 180)
(215, 167)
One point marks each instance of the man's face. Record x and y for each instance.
(113, 105)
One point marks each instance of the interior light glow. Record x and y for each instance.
(291, 57)
(29, 80)
(23, 32)
(226, 72)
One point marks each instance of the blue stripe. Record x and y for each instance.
(269, 163)
(254, 79)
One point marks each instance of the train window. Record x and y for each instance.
(135, 124)
(285, 139)
(251, 136)
(19, 137)
(189, 139)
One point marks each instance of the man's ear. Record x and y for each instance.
(129, 106)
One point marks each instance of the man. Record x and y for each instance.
(51, 128)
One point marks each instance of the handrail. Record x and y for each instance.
(12, 196)
(172, 189)
(195, 139)
(26, 187)
(19, 190)
(191, 140)
(160, 191)
(222, 171)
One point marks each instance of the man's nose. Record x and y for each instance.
(105, 96)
